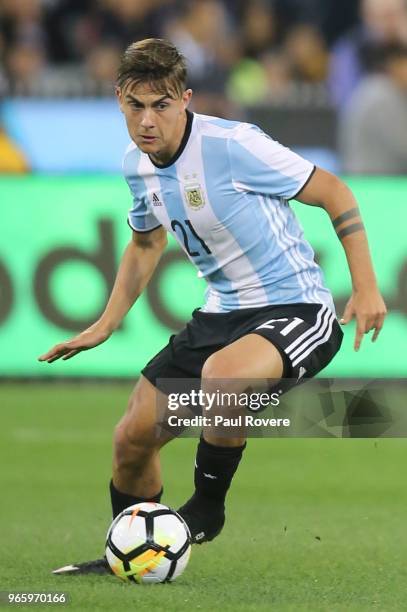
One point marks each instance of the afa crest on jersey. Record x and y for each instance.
(194, 196)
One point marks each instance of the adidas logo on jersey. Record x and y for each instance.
(156, 200)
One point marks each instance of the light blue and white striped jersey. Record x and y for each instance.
(224, 197)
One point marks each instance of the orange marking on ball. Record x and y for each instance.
(134, 514)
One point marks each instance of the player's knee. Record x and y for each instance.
(217, 374)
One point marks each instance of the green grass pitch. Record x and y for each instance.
(311, 524)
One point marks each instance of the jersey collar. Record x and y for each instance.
(183, 143)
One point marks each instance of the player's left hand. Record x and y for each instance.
(369, 310)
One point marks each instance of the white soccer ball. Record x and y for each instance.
(148, 543)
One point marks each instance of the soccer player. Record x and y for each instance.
(222, 189)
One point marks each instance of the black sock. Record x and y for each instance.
(120, 501)
(215, 467)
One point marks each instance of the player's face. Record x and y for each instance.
(156, 122)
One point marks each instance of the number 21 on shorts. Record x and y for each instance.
(284, 331)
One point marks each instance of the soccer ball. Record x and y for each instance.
(148, 542)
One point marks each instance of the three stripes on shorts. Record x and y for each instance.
(316, 335)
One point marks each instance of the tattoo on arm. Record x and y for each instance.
(350, 229)
(349, 214)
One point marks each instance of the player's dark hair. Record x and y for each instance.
(156, 62)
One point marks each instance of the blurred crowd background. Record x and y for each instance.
(334, 73)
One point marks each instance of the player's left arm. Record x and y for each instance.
(366, 303)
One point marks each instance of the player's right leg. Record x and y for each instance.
(137, 442)
(136, 465)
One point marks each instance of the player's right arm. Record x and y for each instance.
(137, 265)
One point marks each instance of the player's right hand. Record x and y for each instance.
(91, 337)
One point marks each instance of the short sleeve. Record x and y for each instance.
(261, 165)
(140, 217)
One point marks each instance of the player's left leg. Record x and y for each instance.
(251, 357)
(296, 343)
(225, 371)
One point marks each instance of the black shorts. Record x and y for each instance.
(306, 335)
